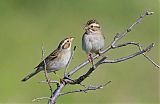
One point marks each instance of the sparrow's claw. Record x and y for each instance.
(90, 58)
(66, 80)
(66, 77)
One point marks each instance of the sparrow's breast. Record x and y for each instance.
(61, 61)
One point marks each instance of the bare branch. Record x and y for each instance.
(148, 58)
(119, 36)
(51, 81)
(84, 76)
(39, 99)
(45, 70)
(140, 48)
(90, 88)
(57, 92)
(103, 60)
(130, 56)
(116, 38)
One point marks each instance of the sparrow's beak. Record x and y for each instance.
(72, 38)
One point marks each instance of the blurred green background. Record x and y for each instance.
(25, 24)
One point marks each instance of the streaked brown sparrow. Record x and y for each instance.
(57, 59)
(92, 40)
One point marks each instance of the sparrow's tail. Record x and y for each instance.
(30, 75)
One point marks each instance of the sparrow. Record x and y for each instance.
(92, 39)
(56, 60)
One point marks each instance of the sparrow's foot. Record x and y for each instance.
(90, 58)
(100, 54)
(66, 80)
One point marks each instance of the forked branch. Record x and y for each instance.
(113, 45)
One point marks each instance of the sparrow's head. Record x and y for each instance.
(66, 43)
(92, 26)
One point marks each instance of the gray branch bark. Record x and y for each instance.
(58, 91)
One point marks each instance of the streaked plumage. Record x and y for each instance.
(56, 60)
(92, 40)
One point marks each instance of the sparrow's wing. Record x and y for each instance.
(51, 57)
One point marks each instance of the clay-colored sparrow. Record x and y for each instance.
(56, 60)
(92, 40)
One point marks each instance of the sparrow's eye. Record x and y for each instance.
(91, 26)
(67, 40)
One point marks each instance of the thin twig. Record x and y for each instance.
(38, 99)
(90, 88)
(140, 48)
(56, 94)
(148, 58)
(51, 81)
(103, 60)
(119, 36)
(130, 56)
(112, 44)
(45, 70)
(84, 76)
